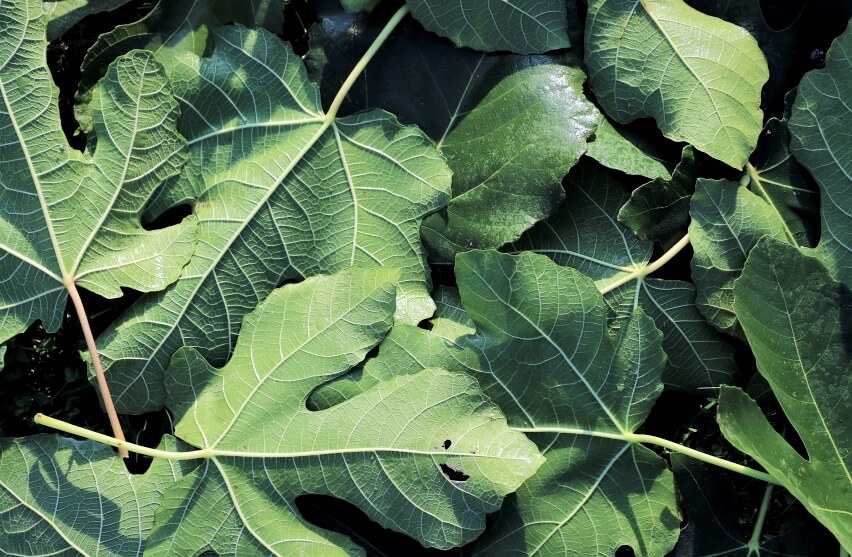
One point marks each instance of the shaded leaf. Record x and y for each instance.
(586, 236)
(794, 316)
(508, 156)
(820, 125)
(281, 191)
(406, 475)
(715, 530)
(699, 77)
(775, 176)
(61, 496)
(172, 28)
(71, 218)
(727, 221)
(613, 149)
(522, 26)
(62, 15)
(659, 209)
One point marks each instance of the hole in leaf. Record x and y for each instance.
(426, 324)
(169, 217)
(447, 444)
(625, 551)
(453, 474)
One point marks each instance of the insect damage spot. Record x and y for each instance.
(453, 474)
(625, 551)
(447, 444)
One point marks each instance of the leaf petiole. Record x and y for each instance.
(642, 272)
(660, 442)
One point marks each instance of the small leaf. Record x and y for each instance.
(75, 218)
(613, 149)
(820, 124)
(795, 318)
(727, 221)
(384, 450)
(508, 156)
(697, 76)
(522, 26)
(61, 496)
(659, 209)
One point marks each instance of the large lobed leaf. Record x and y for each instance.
(64, 497)
(820, 127)
(281, 191)
(795, 317)
(535, 336)
(75, 218)
(423, 453)
(697, 76)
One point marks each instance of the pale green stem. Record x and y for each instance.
(754, 542)
(365, 59)
(74, 294)
(642, 272)
(660, 442)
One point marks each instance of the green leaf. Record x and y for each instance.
(358, 5)
(426, 453)
(523, 26)
(172, 28)
(542, 351)
(71, 218)
(716, 529)
(281, 191)
(61, 496)
(508, 156)
(62, 15)
(796, 319)
(613, 149)
(586, 236)
(699, 77)
(659, 209)
(775, 176)
(727, 221)
(820, 123)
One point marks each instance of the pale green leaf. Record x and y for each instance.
(65, 497)
(699, 77)
(795, 317)
(775, 176)
(543, 352)
(71, 217)
(424, 453)
(585, 235)
(523, 26)
(508, 156)
(820, 124)
(613, 149)
(727, 221)
(659, 209)
(281, 191)
(62, 15)
(172, 28)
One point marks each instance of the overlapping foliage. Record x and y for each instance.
(480, 302)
